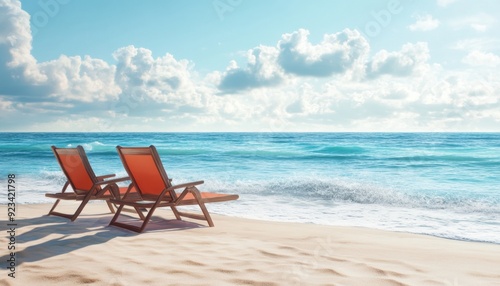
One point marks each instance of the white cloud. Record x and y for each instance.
(482, 44)
(15, 45)
(479, 22)
(67, 78)
(77, 79)
(336, 54)
(45, 107)
(301, 87)
(6, 105)
(459, 97)
(424, 23)
(261, 71)
(87, 80)
(478, 58)
(411, 59)
(140, 75)
(340, 53)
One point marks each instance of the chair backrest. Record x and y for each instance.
(76, 167)
(145, 169)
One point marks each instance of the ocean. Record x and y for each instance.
(440, 184)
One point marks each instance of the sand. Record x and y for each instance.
(54, 251)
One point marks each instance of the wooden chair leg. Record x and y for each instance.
(110, 206)
(206, 214)
(53, 212)
(54, 206)
(176, 212)
(197, 195)
(201, 204)
(139, 212)
(58, 200)
(80, 208)
(145, 220)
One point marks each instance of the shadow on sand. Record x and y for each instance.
(49, 236)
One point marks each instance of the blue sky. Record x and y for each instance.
(241, 65)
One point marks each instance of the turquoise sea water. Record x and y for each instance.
(443, 184)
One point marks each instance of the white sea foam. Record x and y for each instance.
(439, 184)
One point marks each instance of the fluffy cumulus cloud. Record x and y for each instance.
(336, 54)
(82, 85)
(77, 79)
(424, 23)
(479, 58)
(260, 71)
(66, 78)
(413, 58)
(16, 62)
(141, 75)
(343, 53)
(294, 85)
(161, 86)
(461, 99)
(294, 55)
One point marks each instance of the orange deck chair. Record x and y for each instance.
(86, 185)
(149, 178)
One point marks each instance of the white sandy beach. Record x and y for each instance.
(54, 251)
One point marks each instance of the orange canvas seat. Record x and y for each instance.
(154, 189)
(85, 184)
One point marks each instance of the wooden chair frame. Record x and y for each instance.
(103, 188)
(168, 197)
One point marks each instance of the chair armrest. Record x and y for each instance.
(100, 178)
(191, 184)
